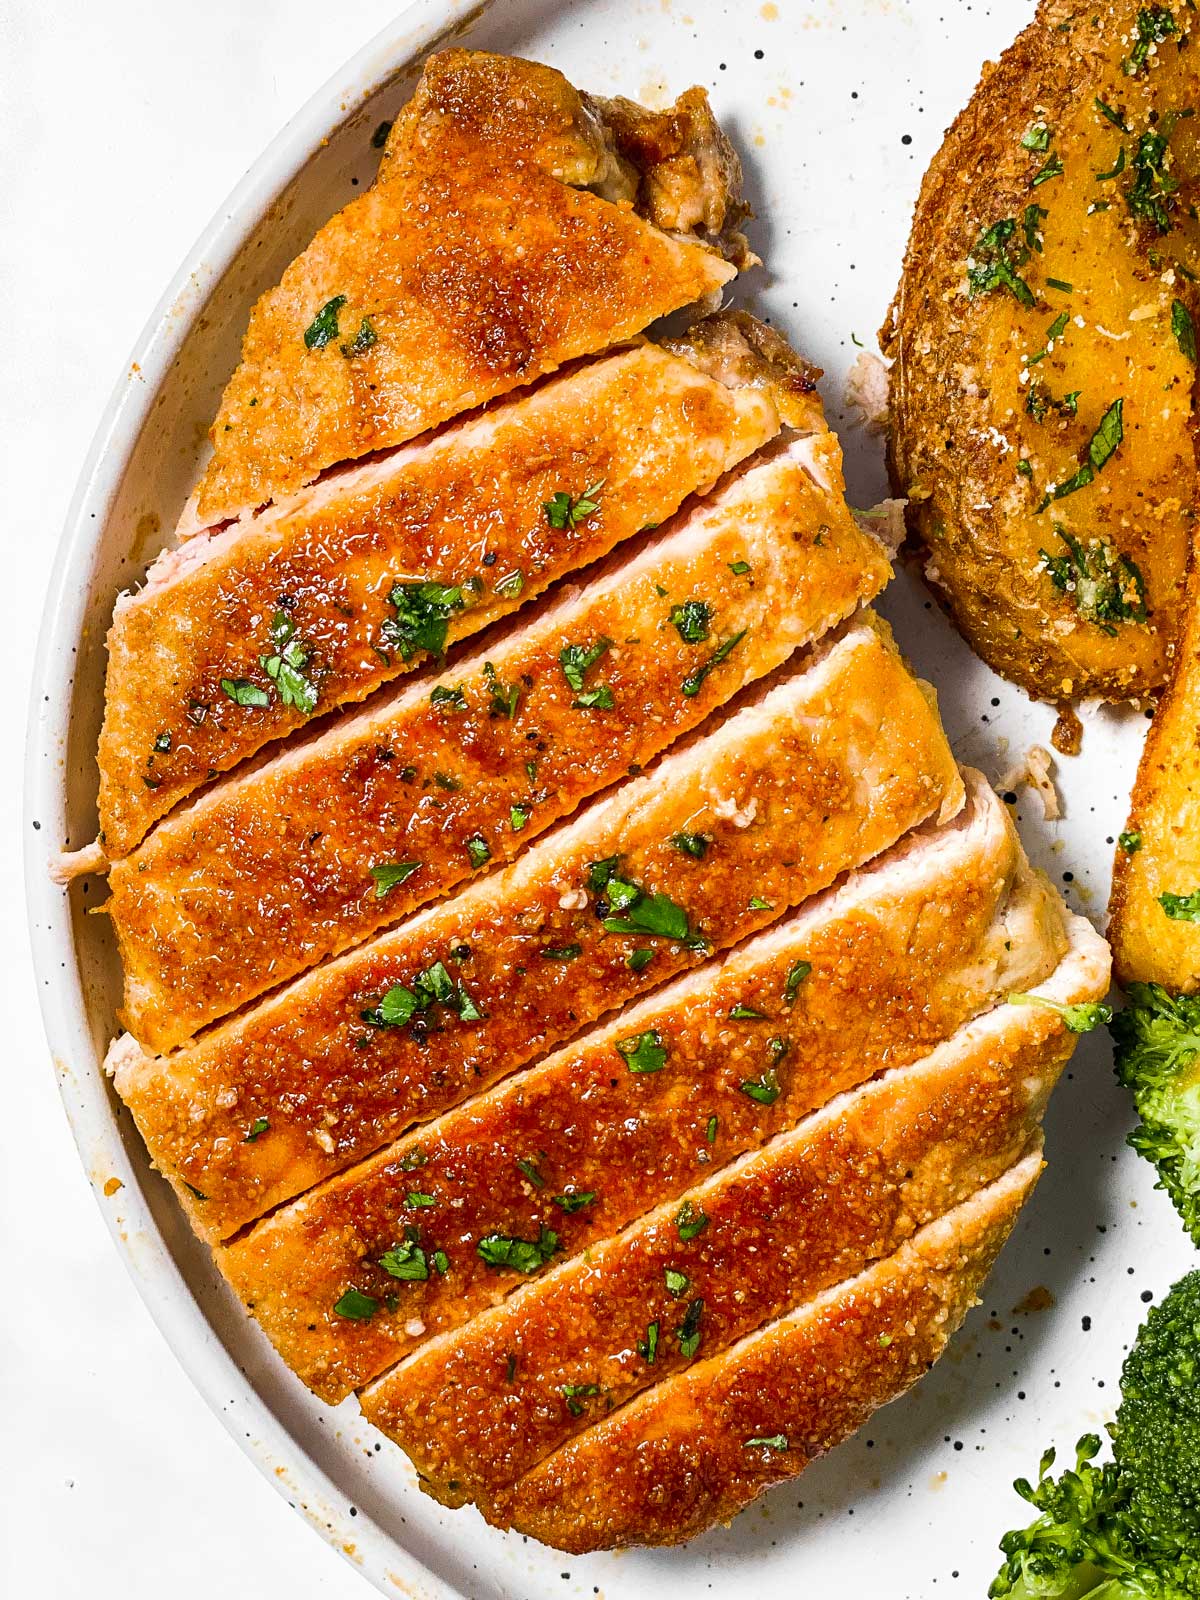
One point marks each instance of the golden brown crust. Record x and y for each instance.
(650, 427)
(1161, 849)
(678, 1459)
(900, 956)
(281, 859)
(829, 768)
(473, 269)
(972, 396)
(479, 1407)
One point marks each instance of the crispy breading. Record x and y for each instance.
(1056, 356)
(469, 267)
(465, 510)
(822, 772)
(460, 772)
(882, 969)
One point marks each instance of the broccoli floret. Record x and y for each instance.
(1158, 1060)
(1128, 1529)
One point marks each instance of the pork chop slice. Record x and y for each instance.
(487, 253)
(478, 1407)
(356, 828)
(868, 976)
(379, 569)
(824, 770)
(694, 1450)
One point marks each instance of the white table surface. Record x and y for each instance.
(123, 125)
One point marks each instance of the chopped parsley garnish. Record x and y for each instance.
(577, 659)
(797, 972)
(256, 1130)
(518, 816)
(356, 1306)
(678, 1283)
(452, 699)
(692, 619)
(362, 340)
(422, 620)
(1031, 227)
(523, 1255)
(406, 1261)
(390, 874)
(244, 693)
(433, 987)
(1154, 24)
(1053, 168)
(1100, 449)
(694, 681)
(564, 512)
(739, 568)
(1182, 327)
(574, 1202)
(419, 1200)
(1104, 586)
(478, 851)
(1039, 401)
(1036, 137)
(286, 667)
(710, 1129)
(638, 960)
(745, 1013)
(778, 1048)
(441, 1261)
(655, 914)
(562, 952)
(643, 1052)
(1111, 114)
(689, 1329)
(1130, 842)
(510, 585)
(690, 1221)
(601, 873)
(692, 844)
(765, 1090)
(1081, 1018)
(413, 1160)
(531, 1172)
(647, 1348)
(994, 261)
(1151, 195)
(504, 696)
(162, 742)
(599, 699)
(571, 1393)
(1061, 285)
(1115, 171)
(323, 329)
(1181, 907)
(757, 903)
(767, 1441)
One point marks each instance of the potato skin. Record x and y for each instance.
(962, 381)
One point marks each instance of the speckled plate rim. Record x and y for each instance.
(90, 1109)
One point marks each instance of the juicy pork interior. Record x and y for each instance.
(727, 982)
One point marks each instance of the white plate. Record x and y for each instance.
(836, 105)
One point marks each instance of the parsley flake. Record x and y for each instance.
(678, 1283)
(689, 1329)
(356, 1306)
(244, 693)
(643, 1052)
(522, 1255)
(691, 619)
(1104, 586)
(647, 1348)
(390, 874)
(405, 1261)
(692, 844)
(323, 329)
(1181, 907)
(573, 1202)
(994, 261)
(256, 1130)
(564, 512)
(422, 619)
(694, 681)
(690, 1221)
(764, 1090)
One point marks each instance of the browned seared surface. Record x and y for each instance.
(819, 775)
(466, 511)
(279, 868)
(471, 266)
(880, 971)
(478, 1407)
(696, 1449)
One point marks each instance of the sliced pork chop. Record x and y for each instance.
(353, 830)
(694, 1450)
(470, 266)
(825, 770)
(870, 975)
(477, 1408)
(379, 569)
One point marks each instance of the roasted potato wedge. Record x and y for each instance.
(1155, 909)
(1043, 348)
